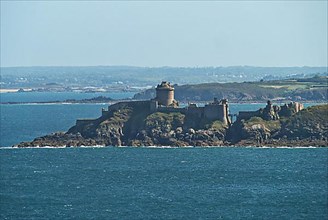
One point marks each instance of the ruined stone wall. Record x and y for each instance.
(213, 112)
(104, 112)
(196, 111)
(149, 104)
(272, 112)
(171, 109)
(247, 115)
(120, 105)
(153, 105)
(217, 112)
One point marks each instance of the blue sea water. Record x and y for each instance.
(146, 183)
(24, 122)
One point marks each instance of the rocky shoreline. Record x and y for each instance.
(131, 125)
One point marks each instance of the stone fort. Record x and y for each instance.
(165, 102)
(216, 110)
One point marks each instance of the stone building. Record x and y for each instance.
(165, 102)
(165, 95)
(216, 110)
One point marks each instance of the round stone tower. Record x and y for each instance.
(165, 94)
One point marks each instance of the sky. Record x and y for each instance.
(164, 33)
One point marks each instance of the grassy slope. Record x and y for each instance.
(310, 122)
(314, 89)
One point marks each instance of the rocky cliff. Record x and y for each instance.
(134, 125)
(308, 127)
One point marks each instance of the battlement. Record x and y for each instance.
(164, 102)
(165, 86)
(216, 110)
(272, 112)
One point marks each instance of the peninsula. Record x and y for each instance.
(161, 122)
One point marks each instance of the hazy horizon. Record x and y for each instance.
(164, 66)
(164, 34)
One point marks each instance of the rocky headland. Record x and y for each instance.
(98, 99)
(306, 90)
(134, 124)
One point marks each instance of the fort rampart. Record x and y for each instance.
(216, 110)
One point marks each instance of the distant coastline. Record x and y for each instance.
(111, 102)
(302, 89)
(96, 100)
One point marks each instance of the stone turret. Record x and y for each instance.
(218, 110)
(165, 94)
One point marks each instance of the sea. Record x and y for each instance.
(148, 183)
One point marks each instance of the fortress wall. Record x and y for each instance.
(213, 111)
(216, 112)
(81, 122)
(145, 104)
(120, 105)
(292, 107)
(171, 109)
(104, 112)
(197, 111)
(247, 114)
(117, 106)
(153, 105)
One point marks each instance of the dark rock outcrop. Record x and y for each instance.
(308, 127)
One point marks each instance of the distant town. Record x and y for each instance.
(134, 79)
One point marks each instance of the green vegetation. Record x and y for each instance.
(217, 125)
(119, 117)
(310, 122)
(165, 120)
(311, 114)
(271, 125)
(311, 89)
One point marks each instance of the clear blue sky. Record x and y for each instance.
(221, 33)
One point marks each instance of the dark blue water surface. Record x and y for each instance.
(144, 183)
(26, 122)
